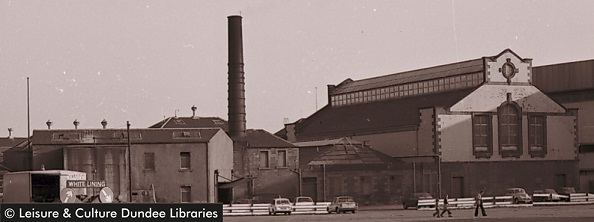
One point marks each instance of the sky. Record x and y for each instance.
(142, 61)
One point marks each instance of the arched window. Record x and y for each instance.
(510, 120)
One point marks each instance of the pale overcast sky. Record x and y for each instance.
(139, 61)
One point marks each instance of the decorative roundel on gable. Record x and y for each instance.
(508, 70)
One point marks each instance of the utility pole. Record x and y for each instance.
(129, 162)
(29, 127)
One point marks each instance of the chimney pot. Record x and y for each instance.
(104, 123)
(49, 124)
(9, 132)
(75, 123)
(194, 111)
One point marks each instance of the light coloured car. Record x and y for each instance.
(342, 204)
(280, 205)
(304, 201)
(551, 195)
(519, 195)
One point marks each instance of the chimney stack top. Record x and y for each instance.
(194, 111)
(104, 123)
(76, 122)
(49, 124)
(9, 132)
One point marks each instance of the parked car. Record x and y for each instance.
(566, 191)
(342, 204)
(552, 196)
(304, 201)
(413, 200)
(519, 195)
(280, 205)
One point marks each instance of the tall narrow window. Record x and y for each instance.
(184, 158)
(282, 158)
(185, 194)
(481, 136)
(537, 136)
(264, 159)
(149, 161)
(509, 131)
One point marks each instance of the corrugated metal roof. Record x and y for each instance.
(259, 138)
(375, 116)
(467, 67)
(564, 77)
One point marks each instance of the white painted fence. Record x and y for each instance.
(463, 203)
(262, 209)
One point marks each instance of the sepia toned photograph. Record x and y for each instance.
(354, 110)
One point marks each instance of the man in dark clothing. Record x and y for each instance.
(479, 203)
(436, 208)
(445, 207)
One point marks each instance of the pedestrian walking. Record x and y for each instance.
(436, 208)
(479, 203)
(445, 207)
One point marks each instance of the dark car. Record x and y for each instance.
(413, 200)
(566, 191)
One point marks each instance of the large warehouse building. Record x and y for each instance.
(462, 127)
(572, 85)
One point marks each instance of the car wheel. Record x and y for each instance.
(289, 213)
(516, 201)
(337, 211)
(353, 211)
(269, 213)
(404, 206)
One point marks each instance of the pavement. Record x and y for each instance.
(381, 207)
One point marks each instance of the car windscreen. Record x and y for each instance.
(345, 199)
(282, 202)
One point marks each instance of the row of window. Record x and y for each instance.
(184, 161)
(510, 134)
(281, 159)
(409, 89)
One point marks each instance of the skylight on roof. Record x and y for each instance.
(179, 121)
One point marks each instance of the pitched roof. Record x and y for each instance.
(259, 138)
(374, 117)
(453, 69)
(192, 122)
(326, 142)
(10, 142)
(348, 153)
(119, 136)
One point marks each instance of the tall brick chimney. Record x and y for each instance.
(237, 120)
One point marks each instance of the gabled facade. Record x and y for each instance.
(344, 166)
(463, 127)
(271, 167)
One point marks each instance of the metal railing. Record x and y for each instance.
(263, 209)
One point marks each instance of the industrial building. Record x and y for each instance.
(326, 163)
(572, 85)
(462, 127)
(139, 165)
